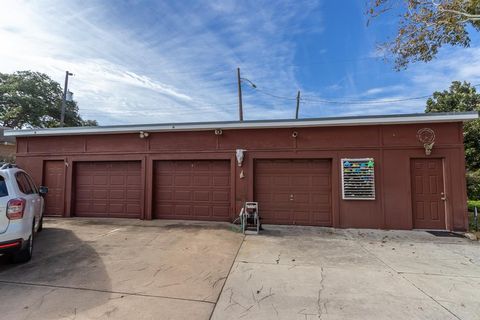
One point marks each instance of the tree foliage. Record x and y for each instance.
(33, 100)
(461, 97)
(426, 25)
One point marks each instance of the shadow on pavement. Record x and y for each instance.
(49, 286)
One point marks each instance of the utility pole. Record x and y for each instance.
(64, 98)
(240, 105)
(298, 104)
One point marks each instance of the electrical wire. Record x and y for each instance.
(363, 101)
(346, 102)
(274, 95)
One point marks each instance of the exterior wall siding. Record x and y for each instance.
(392, 146)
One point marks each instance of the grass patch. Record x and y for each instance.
(471, 207)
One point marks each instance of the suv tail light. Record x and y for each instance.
(15, 208)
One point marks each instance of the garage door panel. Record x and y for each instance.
(164, 180)
(221, 196)
(182, 195)
(133, 194)
(133, 209)
(99, 180)
(201, 189)
(117, 208)
(97, 195)
(221, 181)
(165, 195)
(182, 210)
(100, 207)
(281, 197)
(182, 181)
(118, 194)
(108, 189)
(301, 181)
(182, 165)
(201, 181)
(201, 211)
(201, 196)
(321, 198)
(84, 194)
(294, 191)
(281, 181)
(221, 212)
(117, 180)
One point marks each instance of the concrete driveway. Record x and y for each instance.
(319, 273)
(120, 269)
(130, 269)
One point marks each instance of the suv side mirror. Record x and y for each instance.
(43, 190)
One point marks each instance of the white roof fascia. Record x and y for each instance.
(256, 124)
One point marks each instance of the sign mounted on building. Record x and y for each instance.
(358, 179)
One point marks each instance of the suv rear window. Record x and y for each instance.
(3, 187)
(23, 183)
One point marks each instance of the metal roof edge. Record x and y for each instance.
(253, 124)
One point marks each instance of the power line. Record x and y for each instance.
(274, 95)
(376, 101)
(354, 101)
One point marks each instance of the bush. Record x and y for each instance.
(473, 184)
(472, 204)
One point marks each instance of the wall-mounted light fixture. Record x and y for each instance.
(218, 132)
(240, 155)
(294, 134)
(143, 134)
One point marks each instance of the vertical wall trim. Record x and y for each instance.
(144, 189)
(68, 195)
(148, 186)
(233, 187)
(336, 191)
(447, 173)
(382, 178)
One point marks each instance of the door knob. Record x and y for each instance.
(443, 196)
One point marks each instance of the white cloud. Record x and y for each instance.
(166, 61)
(177, 67)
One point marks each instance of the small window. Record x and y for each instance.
(23, 183)
(3, 187)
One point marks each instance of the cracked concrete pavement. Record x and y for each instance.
(321, 273)
(120, 269)
(131, 269)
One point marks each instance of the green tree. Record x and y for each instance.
(461, 96)
(426, 25)
(33, 100)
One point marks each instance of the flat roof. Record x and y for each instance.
(253, 124)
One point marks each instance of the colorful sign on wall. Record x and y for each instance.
(358, 179)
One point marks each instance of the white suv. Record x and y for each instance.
(21, 212)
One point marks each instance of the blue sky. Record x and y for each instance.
(173, 61)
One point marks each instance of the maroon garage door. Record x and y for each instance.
(294, 191)
(192, 189)
(108, 189)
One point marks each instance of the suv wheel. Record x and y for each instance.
(25, 254)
